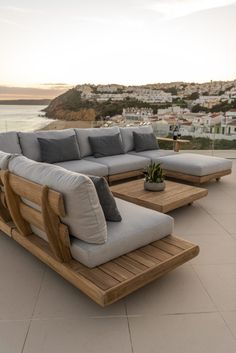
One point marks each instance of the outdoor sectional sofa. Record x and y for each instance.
(53, 211)
(56, 215)
(185, 166)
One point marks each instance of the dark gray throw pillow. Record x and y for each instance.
(103, 146)
(145, 142)
(106, 199)
(59, 150)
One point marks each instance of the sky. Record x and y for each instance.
(51, 45)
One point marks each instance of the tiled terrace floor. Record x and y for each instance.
(191, 310)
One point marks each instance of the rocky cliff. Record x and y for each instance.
(69, 106)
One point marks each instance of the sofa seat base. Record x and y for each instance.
(116, 279)
(195, 168)
(196, 179)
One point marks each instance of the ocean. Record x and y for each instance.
(22, 117)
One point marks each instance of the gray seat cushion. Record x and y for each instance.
(83, 135)
(127, 135)
(9, 142)
(30, 145)
(121, 163)
(153, 155)
(195, 164)
(139, 226)
(85, 167)
(84, 215)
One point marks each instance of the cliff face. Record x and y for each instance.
(69, 106)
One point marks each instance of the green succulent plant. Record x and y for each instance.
(154, 173)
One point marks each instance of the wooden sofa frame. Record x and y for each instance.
(170, 174)
(105, 284)
(196, 179)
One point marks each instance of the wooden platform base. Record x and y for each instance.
(6, 227)
(127, 175)
(115, 279)
(196, 179)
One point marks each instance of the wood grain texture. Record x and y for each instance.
(106, 283)
(125, 175)
(6, 227)
(32, 192)
(174, 196)
(14, 202)
(114, 280)
(196, 179)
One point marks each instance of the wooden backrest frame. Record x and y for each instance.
(4, 213)
(46, 217)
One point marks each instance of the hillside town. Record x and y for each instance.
(197, 110)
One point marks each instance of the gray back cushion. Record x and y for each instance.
(30, 145)
(103, 146)
(9, 142)
(83, 135)
(144, 142)
(106, 199)
(127, 135)
(84, 215)
(5, 159)
(61, 150)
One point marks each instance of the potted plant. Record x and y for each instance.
(154, 178)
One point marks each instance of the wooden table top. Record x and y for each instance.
(174, 196)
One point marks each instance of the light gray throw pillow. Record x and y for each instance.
(145, 142)
(103, 146)
(106, 199)
(59, 150)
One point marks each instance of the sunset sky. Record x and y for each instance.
(50, 44)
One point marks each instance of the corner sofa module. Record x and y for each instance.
(195, 168)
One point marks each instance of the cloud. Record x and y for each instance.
(170, 9)
(17, 9)
(8, 22)
(11, 92)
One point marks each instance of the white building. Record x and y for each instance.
(231, 114)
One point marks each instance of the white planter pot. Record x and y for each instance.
(154, 186)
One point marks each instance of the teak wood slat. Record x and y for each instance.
(196, 179)
(174, 196)
(94, 282)
(104, 284)
(32, 192)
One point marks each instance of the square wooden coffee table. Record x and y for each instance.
(174, 196)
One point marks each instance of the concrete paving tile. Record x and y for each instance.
(203, 333)
(82, 335)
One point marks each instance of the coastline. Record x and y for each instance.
(64, 124)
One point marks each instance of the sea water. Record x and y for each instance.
(22, 117)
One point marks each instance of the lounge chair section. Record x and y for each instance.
(139, 226)
(105, 284)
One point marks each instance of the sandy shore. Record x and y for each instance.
(63, 124)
